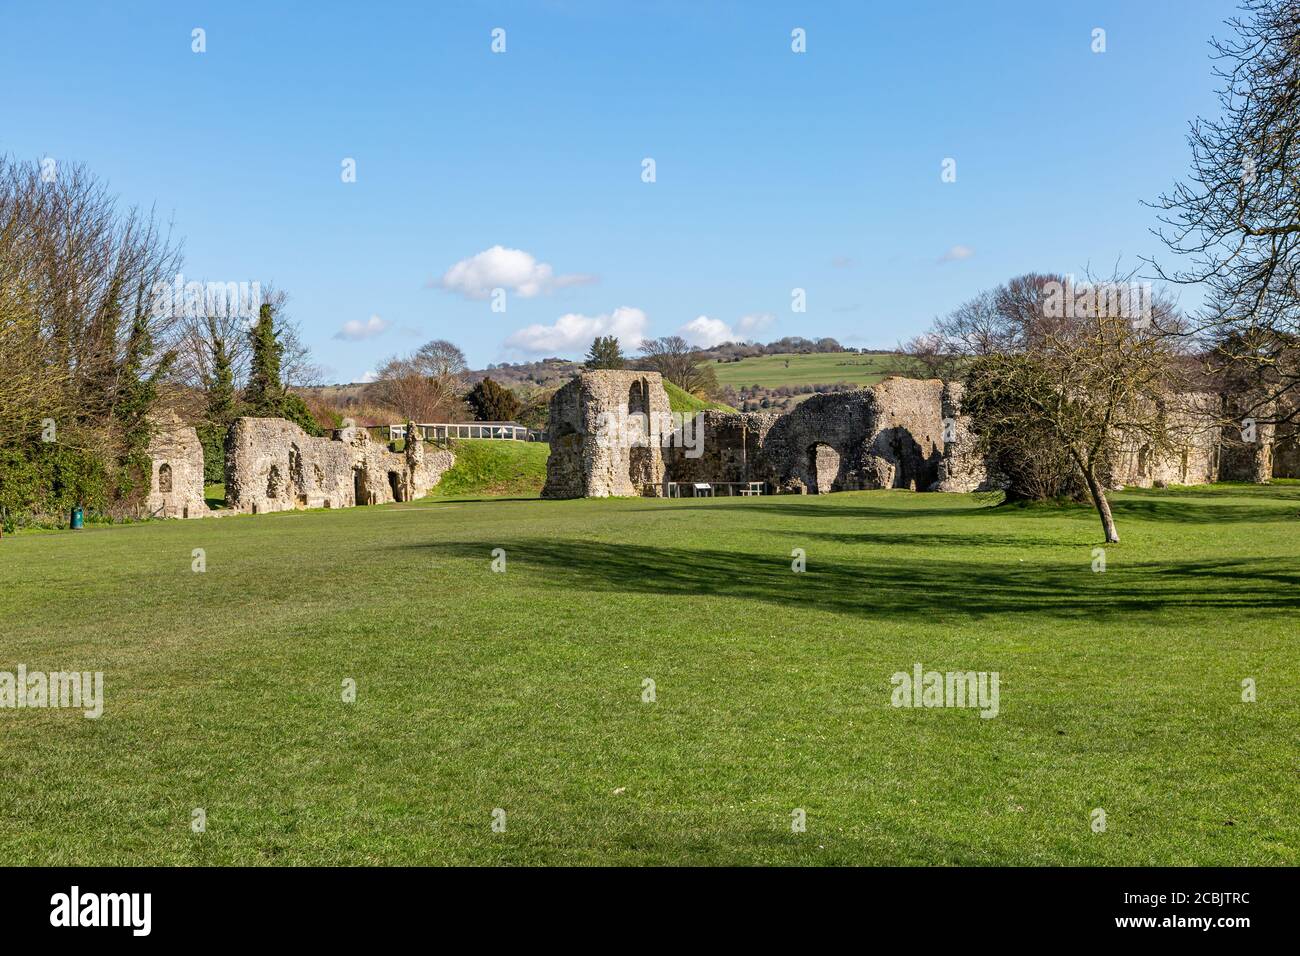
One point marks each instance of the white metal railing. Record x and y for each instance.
(441, 431)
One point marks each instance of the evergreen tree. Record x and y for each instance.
(296, 411)
(136, 395)
(605, 353)
(493, 403)
(223, 403)
(265, 392)
(221, 411)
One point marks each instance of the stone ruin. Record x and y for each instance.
(273, 465)
(581, 465)
(889, 436)
(176, 478)
(899, 433)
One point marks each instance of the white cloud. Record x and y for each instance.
(356, 330)
(574, 332)
(371, 376)
(957, 253)
(754, 322)
(704, 332)
(510, 269)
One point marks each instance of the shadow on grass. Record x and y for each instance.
(1186, 508)
(924, 589)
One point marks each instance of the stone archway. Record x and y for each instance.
(639, 457)
(823, 468)
(164, 478)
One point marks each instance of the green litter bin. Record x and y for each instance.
(78, 518)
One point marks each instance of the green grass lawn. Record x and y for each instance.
(523, 690)
(770, 371)
(495, 468)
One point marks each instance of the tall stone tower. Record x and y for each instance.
(607, 431)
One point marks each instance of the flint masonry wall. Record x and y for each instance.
(961, 467)
(598, 447)
(1193, 424)
(273, 465)
(176, 479)
(900, 433)
(731, 449)
(888, 436)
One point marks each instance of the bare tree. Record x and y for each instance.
(77, 274)
(78, 362)
(424, 386)
(196, 331)
(1236, 219)
(682, 365)
(1007, 319)
(1081, 385)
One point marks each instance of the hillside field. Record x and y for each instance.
(829, 368)
(649, 681)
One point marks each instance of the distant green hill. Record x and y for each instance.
(824, 368)
(686, 403)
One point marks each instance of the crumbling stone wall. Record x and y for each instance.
(1194, 427)
(961, 468)
(176, 477)
(273, 465)
(1286, 457)
(732, 448)
(899, 433)
(1247, 447)
(886, 436)
(606, 433)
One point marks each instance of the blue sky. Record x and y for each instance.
(774, 170)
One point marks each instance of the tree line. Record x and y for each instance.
(87, 356)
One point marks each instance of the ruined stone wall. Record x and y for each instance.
(886, 436)
(907, 425)
(731, 448)
(273, 465)
(1246, 450)
(606, 432)
(1286, 457)
(176, 478)
(900, 433)
(961, 468)
(1195, 459)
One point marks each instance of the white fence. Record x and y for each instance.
(441, 431)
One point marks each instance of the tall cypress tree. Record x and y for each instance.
(136, 395)
(221, 411)
(265, 392)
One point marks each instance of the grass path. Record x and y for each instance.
(523, 690)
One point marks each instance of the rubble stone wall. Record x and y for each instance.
(899, 433)
(1194, 427)
(273, 465)
(606, 434)
(176, 479)
(731, 448)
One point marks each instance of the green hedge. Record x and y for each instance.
(40, 484)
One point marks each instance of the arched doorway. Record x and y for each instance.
(165, 478)
(823, 468)
(639, 458)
